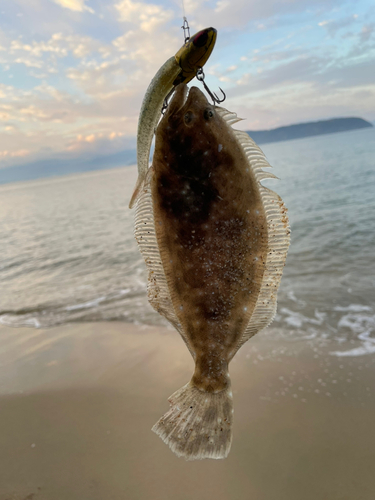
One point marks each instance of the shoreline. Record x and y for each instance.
(77, 403)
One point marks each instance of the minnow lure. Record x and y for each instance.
(215, 242)
(180, 68)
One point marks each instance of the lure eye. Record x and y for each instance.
(188, 117)
(200, 38)
(208, 113)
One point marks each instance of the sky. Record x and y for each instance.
(73, 73)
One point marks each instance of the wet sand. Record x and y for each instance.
(77, 403)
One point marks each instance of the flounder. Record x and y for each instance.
(215, 242)
(182, 67)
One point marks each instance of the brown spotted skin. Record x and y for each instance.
(211, 230)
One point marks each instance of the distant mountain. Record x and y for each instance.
(56, 167)
(308, 129)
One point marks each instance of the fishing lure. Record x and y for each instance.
(180, 68)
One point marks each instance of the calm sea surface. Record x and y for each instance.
(68, 252)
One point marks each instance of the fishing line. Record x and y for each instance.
(183, 9)
(185, 26)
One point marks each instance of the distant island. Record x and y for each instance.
(309, 129)
(55, 167)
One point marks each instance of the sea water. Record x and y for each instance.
(67, 251)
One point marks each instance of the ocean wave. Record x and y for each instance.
(337, 328)
(353, 307)
(363, 326)
(19, 321)
(85, 305)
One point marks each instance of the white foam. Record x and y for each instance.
(4, 319)
(354, 317)
(363, 326)
(365, 348)
(358, 323)
(291, 296)
(352, 308)
(85, 305)
(297, 319)
(19, 321)
(294, 320)
(32, 322)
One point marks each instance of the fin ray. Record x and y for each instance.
(144, 231)
(278, 237)
(198, 424)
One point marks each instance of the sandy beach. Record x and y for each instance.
(78, 402)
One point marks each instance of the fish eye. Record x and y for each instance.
(188, 117)
(208, 113)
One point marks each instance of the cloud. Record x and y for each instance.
(308, 69)
(28, 62)
(149, 17)
(75, 5)
(46, 56)
(367, 32)
(14, 154)
(79, 80)
(58, 45)
(275, 107)
(334, 26)
(101, 139)
(46, 121)
(229, 14)
(106, 82)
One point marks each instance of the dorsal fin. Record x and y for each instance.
(278, 235)
(144, 232)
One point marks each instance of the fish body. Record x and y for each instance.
(180, 68)
(215, 242)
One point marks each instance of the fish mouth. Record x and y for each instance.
(185, 97)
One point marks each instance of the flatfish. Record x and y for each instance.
(214, 240)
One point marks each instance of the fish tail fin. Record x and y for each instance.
(198, 424)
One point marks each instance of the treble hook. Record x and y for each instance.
(200, 76)
(165, 103)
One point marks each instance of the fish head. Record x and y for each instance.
(194, 54)
(190, 133)
(189, 107)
